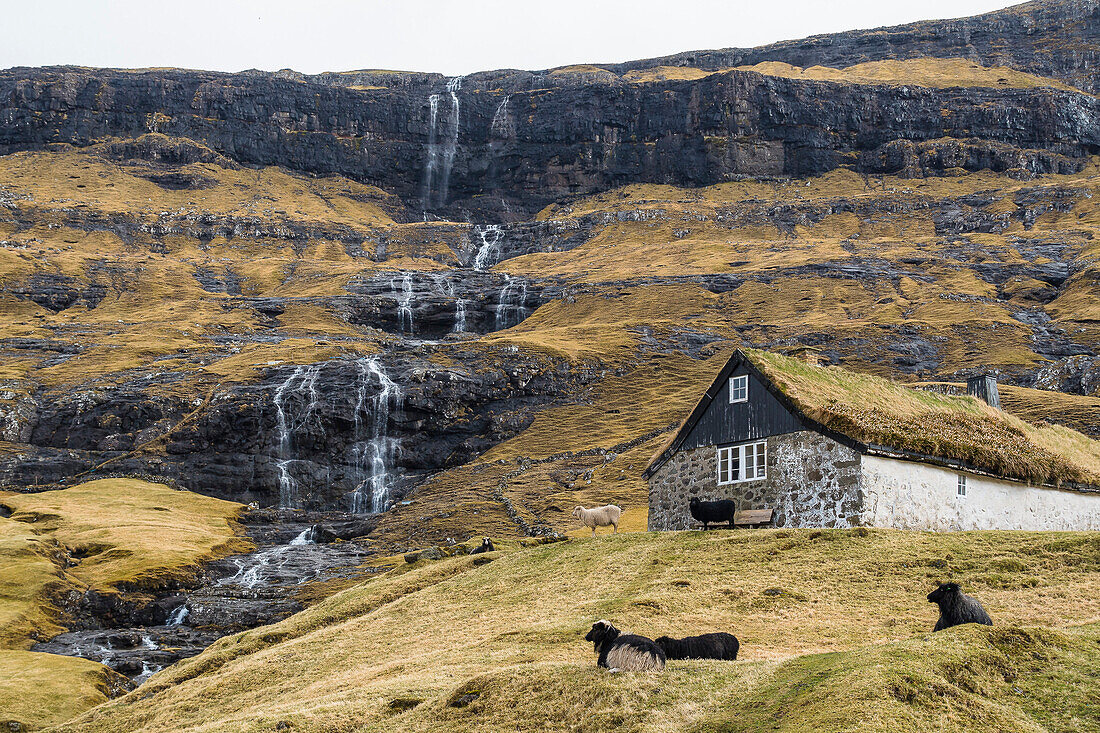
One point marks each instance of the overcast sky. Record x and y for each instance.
(429, 35)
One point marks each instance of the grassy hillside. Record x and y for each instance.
(938, 73)
(114, 536)
(38, 690)
(925, 72)
(833, 624)
(129, 535)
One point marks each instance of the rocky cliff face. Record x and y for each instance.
(467, 146)
(1056, 38)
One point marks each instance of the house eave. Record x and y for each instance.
(883, 451)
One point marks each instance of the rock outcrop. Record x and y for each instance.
(503, 156)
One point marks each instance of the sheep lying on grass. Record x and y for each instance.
(718, 645)
(957, 608)
(713, 512)
(624, 652)
(602, 516)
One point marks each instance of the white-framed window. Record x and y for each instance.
(745, 462)
(961, 490)
(739, 389)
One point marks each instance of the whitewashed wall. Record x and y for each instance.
(909, 495)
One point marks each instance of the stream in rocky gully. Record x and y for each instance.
(233, 594)
(329, 447)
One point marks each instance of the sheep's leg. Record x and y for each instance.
(616, 526)
(593, 530)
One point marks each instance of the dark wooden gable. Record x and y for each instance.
(722, 423)
(715, 421)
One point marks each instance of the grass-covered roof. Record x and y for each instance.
(879, 413)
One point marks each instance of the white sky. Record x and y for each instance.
(420, 35)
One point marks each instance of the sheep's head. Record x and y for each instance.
(694, 501)
(577, 512)
(945, 591)
(602, 632)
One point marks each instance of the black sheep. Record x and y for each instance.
(718, 645)
(957, 608)
(713, 512)
(624, 652)
(486, 546)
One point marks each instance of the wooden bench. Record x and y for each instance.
(744, 518)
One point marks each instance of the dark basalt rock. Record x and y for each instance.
(232, 448)
(570, 139)
(57, 292)
(136, 636)
(1055, 38)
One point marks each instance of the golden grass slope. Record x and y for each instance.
(937, 73)
(877, 411)
(93, 178)
(451, 645)
(32, 582)
(113, 536)
(923, 72)
(40, 690)
(127, 534)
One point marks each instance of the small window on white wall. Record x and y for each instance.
(747, 462)
(739, 389)
(962, 485)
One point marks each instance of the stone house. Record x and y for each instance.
(826, 447)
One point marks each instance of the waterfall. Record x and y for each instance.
(491, 238)
(371, 451)
(433, 154)
(374, 452)
(147, 671)
(404, 295)
(306, 379)
(178, 616)
(460, 316)
(510, 305)
(451, 146)
(446, 288)
(500, 119)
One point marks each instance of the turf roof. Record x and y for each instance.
(877, 415)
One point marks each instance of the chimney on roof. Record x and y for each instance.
(984, 388)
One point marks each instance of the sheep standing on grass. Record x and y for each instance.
(712, 512)
(601, 516)
(718, 645)
(621, 652)
(957, 608)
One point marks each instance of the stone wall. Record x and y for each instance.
(812, 482)
(910, 495)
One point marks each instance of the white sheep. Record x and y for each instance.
(601, 516)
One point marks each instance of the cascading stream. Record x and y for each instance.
(432, 164)
(446, 288)
(451, 147)
(374, 454)
(441, 156)
(511, 304)
(491, 236)
(403, 294)
(303, 380)
(500, 125)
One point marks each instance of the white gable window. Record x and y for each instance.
(961, 491)
(746, 462)
(739, 389)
